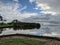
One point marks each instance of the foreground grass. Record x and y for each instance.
(18, 41)
(21, 40)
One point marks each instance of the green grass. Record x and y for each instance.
(2, 25)
(18, 41)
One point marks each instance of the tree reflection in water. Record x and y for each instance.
(24, 27)
(1, 29)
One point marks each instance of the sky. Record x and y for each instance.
(22, 9)
(46, 12)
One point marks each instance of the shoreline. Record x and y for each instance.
(30, 36)
(45, 40)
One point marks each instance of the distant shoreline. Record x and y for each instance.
(20, 25)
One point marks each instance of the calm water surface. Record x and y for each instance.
(46, 30)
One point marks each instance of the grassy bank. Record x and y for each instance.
(18, 41)
(24, 40)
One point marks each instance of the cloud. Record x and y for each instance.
(23, 8)
(48, 12)
(31, 1)
(52, 5)
(42, 6)
(46, 9)
(8, 11)
(11, 12)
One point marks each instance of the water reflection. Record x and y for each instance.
(45, 30)
(8, 31)
(51, 30)
(1, 29)
(16, 29)
(25, 28)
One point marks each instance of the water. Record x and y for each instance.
(45, 30)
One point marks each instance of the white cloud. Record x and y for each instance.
(43, 6)
(53, 5)
(10, 11)
(23, 8)
(27, 15)
(48, 12)
(46, 9)
(31, 1)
